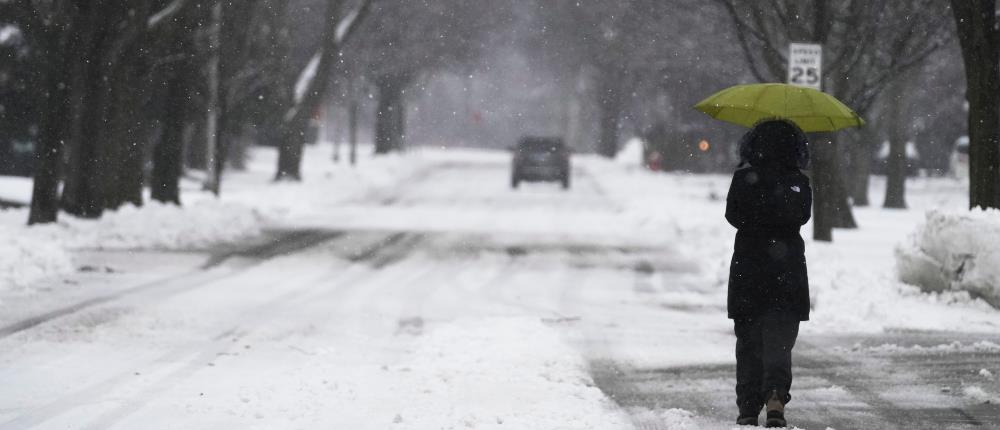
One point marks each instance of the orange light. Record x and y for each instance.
(703, 146)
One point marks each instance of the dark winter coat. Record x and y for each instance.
(769, 200)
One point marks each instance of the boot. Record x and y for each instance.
(775, 411)
(748, 416)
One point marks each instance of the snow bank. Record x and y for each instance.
(15, 190)
(24, 260)
(954, 251)
(33, 253)
(161, 226)
(502, 373)
(979, 395)
(631, 153)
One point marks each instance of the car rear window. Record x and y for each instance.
(540, 145)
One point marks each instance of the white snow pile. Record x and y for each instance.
(33, 253)
(631, 153)
(501, 373)
(985, 373)
(977, 394)
(24, 260)
(954, 251)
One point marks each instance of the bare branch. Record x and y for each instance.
(741, 30)
(773, 58)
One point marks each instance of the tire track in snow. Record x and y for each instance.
(187, 358)
(222, 344)
(359, 277)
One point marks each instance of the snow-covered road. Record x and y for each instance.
(446, 300)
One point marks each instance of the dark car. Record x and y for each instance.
(540, 159)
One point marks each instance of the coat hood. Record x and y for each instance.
(775, 143)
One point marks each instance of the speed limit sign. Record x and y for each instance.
(805, 65)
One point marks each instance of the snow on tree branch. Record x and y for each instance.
(306, 77)
(346, 24)
(165, 13)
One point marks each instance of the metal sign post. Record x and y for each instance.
(805, 65)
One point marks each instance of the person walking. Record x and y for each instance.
(769, 200)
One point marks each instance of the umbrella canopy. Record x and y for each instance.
(811, 110)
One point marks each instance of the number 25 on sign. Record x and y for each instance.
(805, 65)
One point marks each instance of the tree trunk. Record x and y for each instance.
(228, 150)
(82, 192)
(823, 166)
(399, 124)
(336, 149)
(862, 164)
(610, 103)
(980, 41)
(233, 23)
(103, 172)
(212, 106)
(842, 215)
(194, 144)
(123, 157)
(389, 119)
(830, 205)
(292, 139)
(332, 130)
(64, 61)
(574, 110)
(48, 154)
(352, 128)
(896, 168)
(167, 155)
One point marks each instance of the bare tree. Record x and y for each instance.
(310, 88)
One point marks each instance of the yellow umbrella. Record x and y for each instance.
(811, 110)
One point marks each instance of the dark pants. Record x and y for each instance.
(763, 359)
